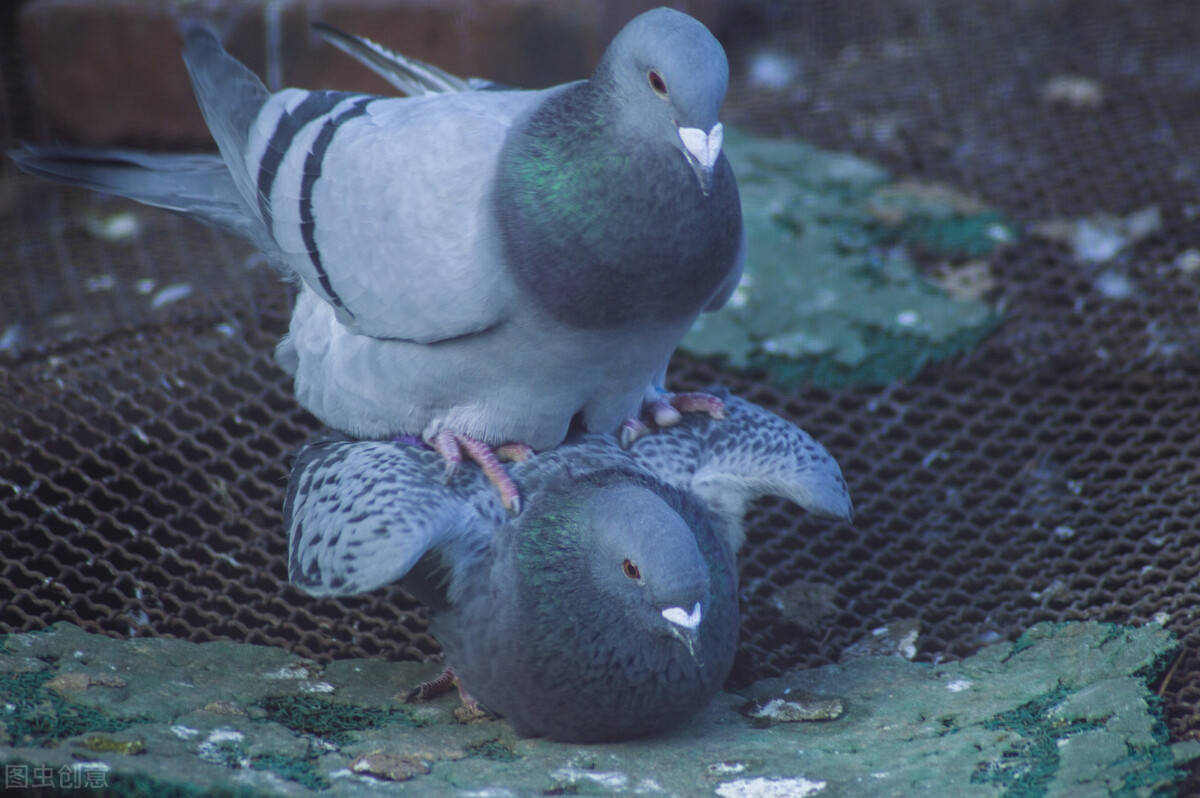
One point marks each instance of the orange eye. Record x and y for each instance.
(630, 569)
(657, 83)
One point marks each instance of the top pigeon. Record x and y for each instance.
(495, 264)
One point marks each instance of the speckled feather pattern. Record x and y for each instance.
(536, 613)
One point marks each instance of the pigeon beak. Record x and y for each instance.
(685, 627)
(702, 150)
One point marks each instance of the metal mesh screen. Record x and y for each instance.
(1049, 475)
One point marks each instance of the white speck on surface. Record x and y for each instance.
(608, 779)
(117, 227)
(78, 654)
(139, 433)
(726, 768)
(225, 329)
(12, 336)
(294, 670)
(488, 792)
(172, 293)
(316, 687)
(907, 318)
(1188, 261)
(958, 685)
(772, 708)
(1063, 532)
(184, 732)
(999, 233)
(1073, 91)
(144, 285)
(10, 707)
(100, 282)
(1113, 284)
(770, 788)
(1056, 586)
(225, 736)
(1161, 618)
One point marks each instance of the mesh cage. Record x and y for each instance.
(1049, 475)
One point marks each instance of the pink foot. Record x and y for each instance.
(667, 411)
(470, 710)
(452, 446)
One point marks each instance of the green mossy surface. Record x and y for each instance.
(831, 294)
(1064, 711)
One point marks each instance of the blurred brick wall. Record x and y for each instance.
(109, 71)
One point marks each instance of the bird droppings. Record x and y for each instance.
(99, 282)
(896, 639)
(316, 687)
(1073, 91)
(726, 768)
(390, 766)
(1114, 284)
(295, 670)
(1068, 704)
(117, 227)
(570, 778)
(1187, 261)
(792, 710)
(770, 788)
(1102, 236)
(172, 293)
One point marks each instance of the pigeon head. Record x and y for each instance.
(672, 75)
(619, 547)
(628, 599)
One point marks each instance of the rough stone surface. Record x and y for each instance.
(1063, 711)
(122, 80)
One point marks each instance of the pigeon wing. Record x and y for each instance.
(360, 514)
(383, 206)
(749, 453)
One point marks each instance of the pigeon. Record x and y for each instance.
(608, 609)
(475, 267)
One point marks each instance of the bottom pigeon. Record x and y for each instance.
(608, 608)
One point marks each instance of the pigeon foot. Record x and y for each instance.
(471, 710)
(667, 410)
(452, 446)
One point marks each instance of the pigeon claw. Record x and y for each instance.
(631, 430)
(454, 446)
(696, 402)
(470, 711)
(666, 410)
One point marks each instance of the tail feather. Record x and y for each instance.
(197, 185)
(230, 97)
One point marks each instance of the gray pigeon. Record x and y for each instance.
(608, 608)
(492, 266)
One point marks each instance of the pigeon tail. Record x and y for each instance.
(230, 97)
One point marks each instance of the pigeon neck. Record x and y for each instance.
(603, 227)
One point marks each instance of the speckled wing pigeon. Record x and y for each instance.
(490, 266)
(608, 608)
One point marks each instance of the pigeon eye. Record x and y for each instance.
(630, 569)
(657, 83)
